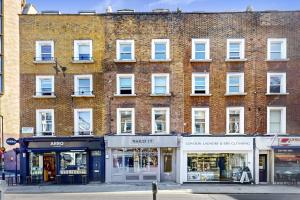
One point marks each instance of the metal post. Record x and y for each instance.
(16, 172)
(2, 145)
(154, 189)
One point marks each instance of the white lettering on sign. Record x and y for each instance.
(57, 144)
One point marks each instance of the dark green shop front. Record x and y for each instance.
(63, 160)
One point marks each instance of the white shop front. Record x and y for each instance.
(141, 158)
(215, 159)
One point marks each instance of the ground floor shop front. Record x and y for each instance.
(278, 159)
(62, 160)
(141, 158)
(215, 159)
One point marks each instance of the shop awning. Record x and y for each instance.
(57, 149)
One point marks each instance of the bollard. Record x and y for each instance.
(154, 189)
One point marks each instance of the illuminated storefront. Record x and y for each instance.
(215, 159)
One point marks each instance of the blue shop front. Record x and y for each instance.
(62, 160)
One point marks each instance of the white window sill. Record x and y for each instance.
(82, 61)
(125, 61)
(125, 95)
(160, 95)
(157, 60)
(86, 96)
(200, 134)
(44, 62)
(42, 136)
(278, 60)
(91, 135)
(235, 94)
(126, 134)
(199, 60)
(236, 60)
(44, 97)
(200, 95)
(160, 134)
(277, 94)
(235, 134)
(273, 134)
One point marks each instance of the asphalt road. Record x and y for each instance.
(143, 196)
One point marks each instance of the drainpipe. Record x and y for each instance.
(254, 157)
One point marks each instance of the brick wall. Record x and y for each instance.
(63, 30)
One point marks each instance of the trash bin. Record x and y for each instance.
(3, 187)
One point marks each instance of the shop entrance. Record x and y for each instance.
(49, 167)
(263, 172)
(167, 164)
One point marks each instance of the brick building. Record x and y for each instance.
(62, 98)
(185, 97)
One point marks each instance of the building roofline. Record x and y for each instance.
(168, 13)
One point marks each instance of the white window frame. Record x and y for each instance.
(242, 48)
(196, 75)
(206, 111)
(167, 83)
(119, 42)
(160, 41)
(242, 82)
(282, 118)
(283, 42)
(283, 82)
(119, 110)
(38, 122)
(76, 48)
(38, 87)
(132, 83)
(76, 84)
(38, 49)
(76, 128)
(242, 120)
(207, 48)
(167, 109)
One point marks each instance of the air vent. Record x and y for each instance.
(161, 10)
(87, 12)
(125, 11)
(50, 12)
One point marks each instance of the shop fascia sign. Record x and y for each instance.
(217, 143)
(289, 141)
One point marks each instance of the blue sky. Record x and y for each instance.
(73, 6)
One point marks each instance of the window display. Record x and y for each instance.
(73, 163)
(36, 164)
(215, 167)
(134, 160)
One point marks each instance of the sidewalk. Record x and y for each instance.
(164, 188)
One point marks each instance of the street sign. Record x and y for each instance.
(11, 141)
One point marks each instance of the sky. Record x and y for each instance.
(73, 6)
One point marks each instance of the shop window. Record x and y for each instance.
(200, 83)
(44, 51)
(83, 85)
(225, 167)
(235, 120)
(44, 86)
(235, 83)
(276, 120)
(45, 122)
(125, 84)
(73, 163)
(276, 83)
(276, 48)
(83, 120)
(160, 84)
(134, 160)
(36, 167)
(235, 49)
(83, 50)
(200, 49)
(160, 120)
(160, 49)
(125, 121)
(200, 120)
(125, 50)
